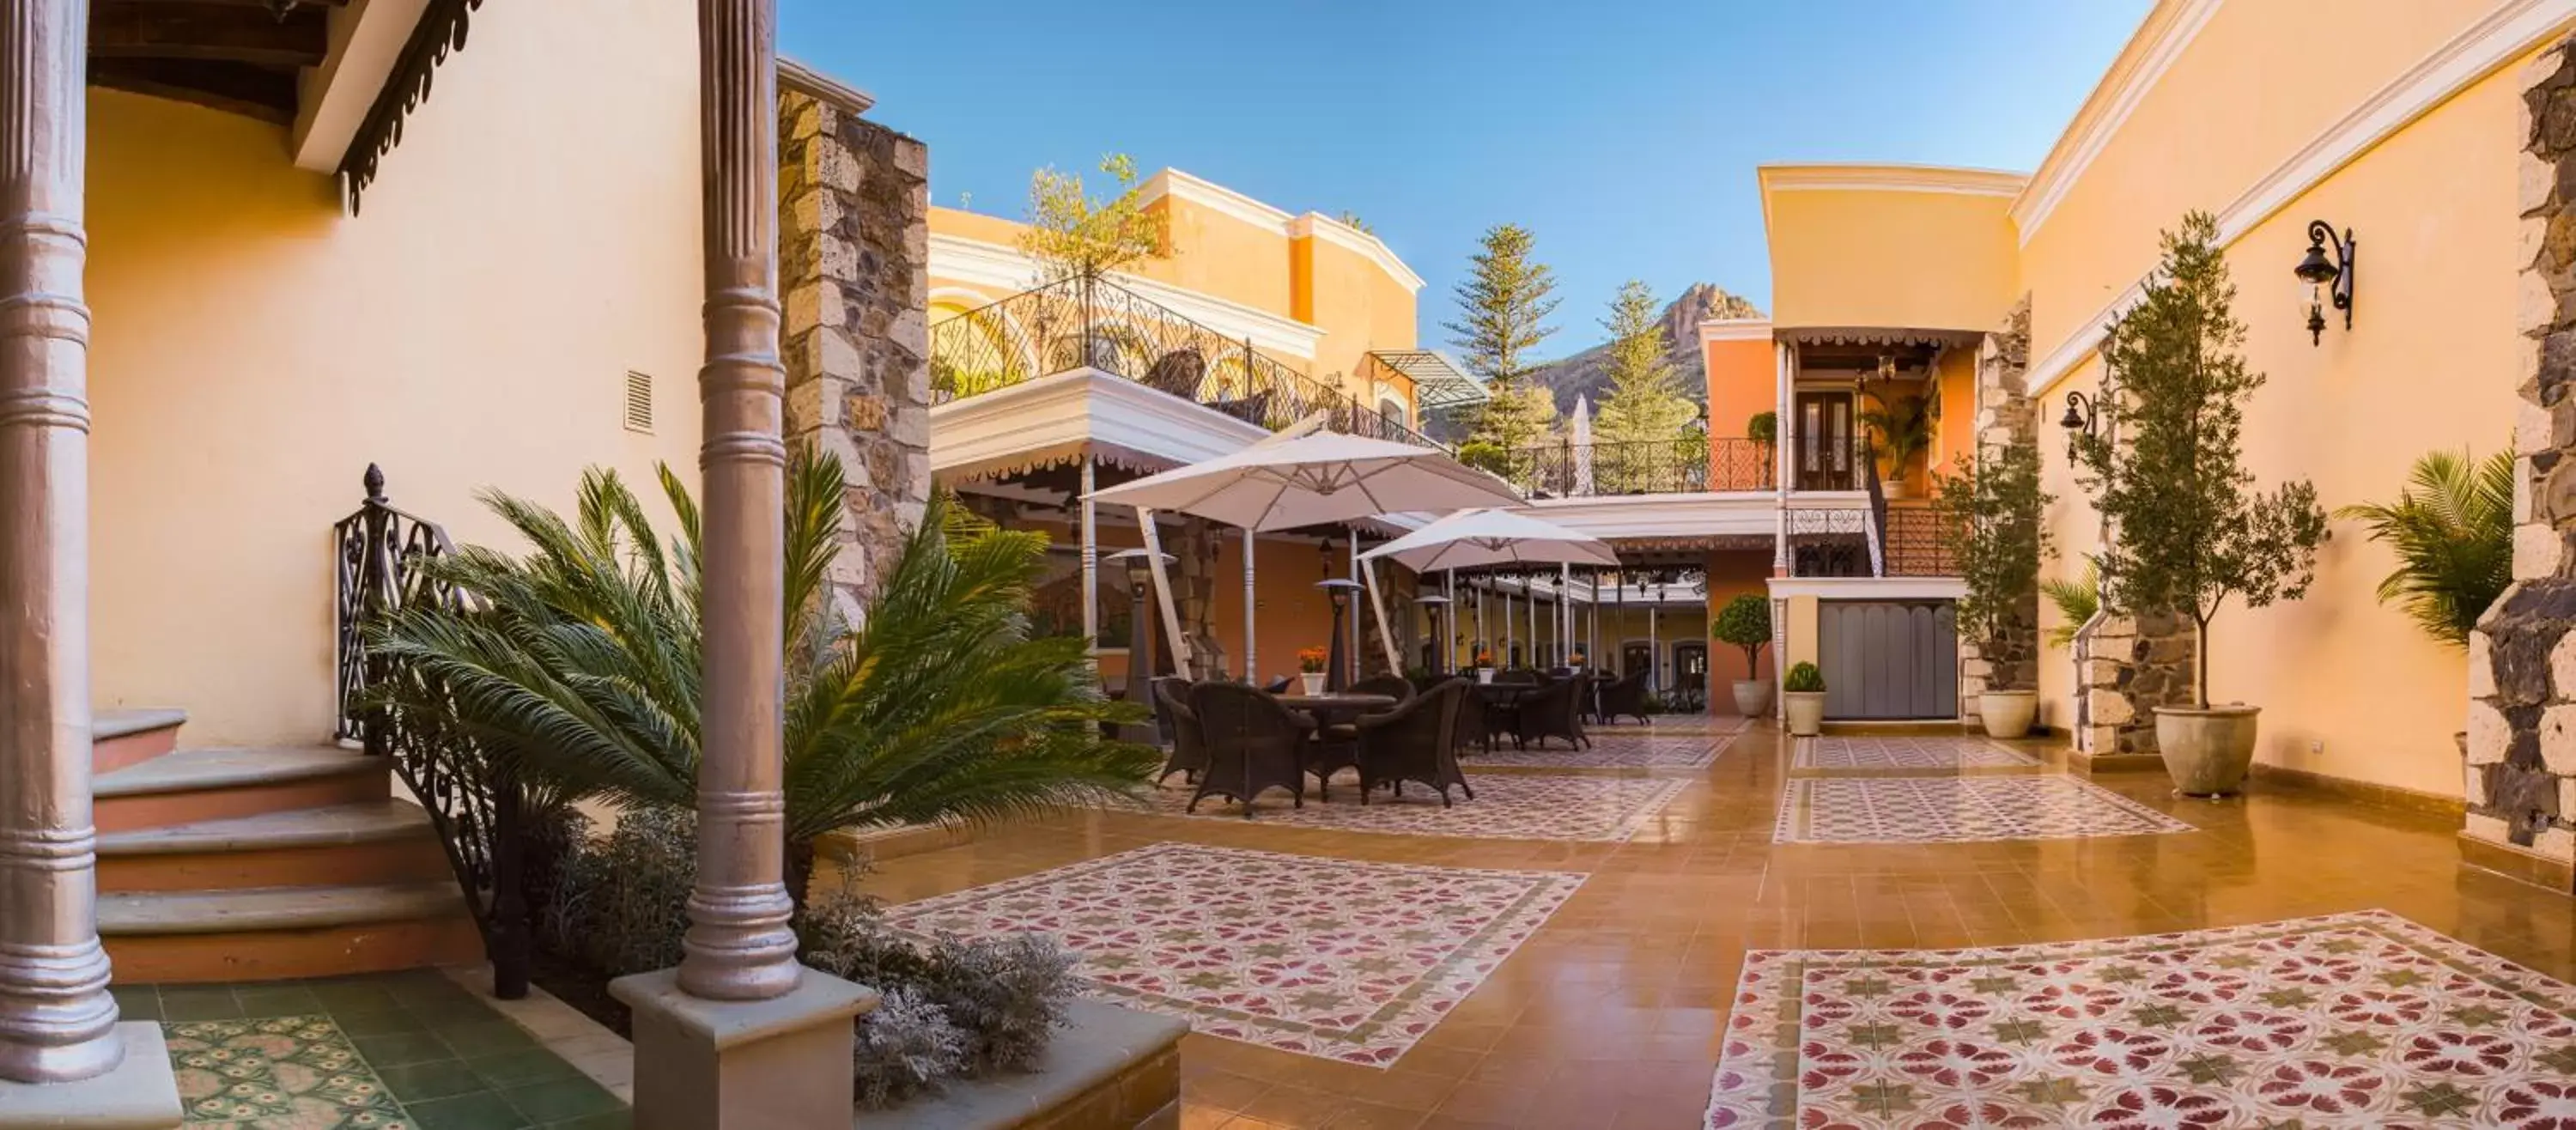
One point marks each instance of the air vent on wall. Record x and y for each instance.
(639, 403)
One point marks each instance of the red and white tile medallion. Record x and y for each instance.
(2351, 1020)
(1507, 806)
(1326, 957)
(1902, 810)
(1609, 750)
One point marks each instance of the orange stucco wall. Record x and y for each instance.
(1731, 574)
(1954, 432)
(1916, 258)
(2349, 688)
(255, 348)
(1743, 381)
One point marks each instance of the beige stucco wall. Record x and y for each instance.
(2349, 688)
(533, 239)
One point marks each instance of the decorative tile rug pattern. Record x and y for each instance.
(2352, 1020)
(1926, 752)
(1958, 809)
(1508, 806)
(1631, 750)
(1326, 957)
(283, 1071)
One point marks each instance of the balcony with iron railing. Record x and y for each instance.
(1093, 322)
(1689, 464)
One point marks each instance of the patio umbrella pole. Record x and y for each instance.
(1162, 597)
(1250, 549)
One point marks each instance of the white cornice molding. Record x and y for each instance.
(366, 41)
(1069, 411)
(1891, 178)
(974, 262)
(1870, 588)
(793, 75)
(2505, 33)
(1662, 515)
(1316, 225)
(2151, 51)
(1216, 197)
(1735, 329)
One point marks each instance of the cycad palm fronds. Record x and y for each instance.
(581, 662)
(2452, 531)
(2076, 598)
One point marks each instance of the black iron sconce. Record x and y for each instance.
(2079, 419)
(2327, 279)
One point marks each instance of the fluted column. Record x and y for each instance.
(738, 946)
(57, 1022)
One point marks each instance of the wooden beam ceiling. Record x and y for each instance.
(238, 56)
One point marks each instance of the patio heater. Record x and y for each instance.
(1435, 610)
(1337, 675)
(1139, 566)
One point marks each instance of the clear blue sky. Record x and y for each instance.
(1623, 134)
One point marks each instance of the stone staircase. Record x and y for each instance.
(263, 864)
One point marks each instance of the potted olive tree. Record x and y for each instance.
(1802, 698)
(1990, 523)
(2188, 529)
(1746, 623)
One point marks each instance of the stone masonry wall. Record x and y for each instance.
(2004, 416)
(1192, 542)
(2127, 666)
(854, 270)
(2520, 777)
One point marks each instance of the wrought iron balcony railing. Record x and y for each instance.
(1085, 321)
(1683, 465)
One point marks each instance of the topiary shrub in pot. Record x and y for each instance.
(1990, 522)
(1746, 623)
(1802, 698)
(2164, 466)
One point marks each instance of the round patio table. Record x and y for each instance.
(1503, 696)
(1335, 706)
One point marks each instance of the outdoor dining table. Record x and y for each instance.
(1336, 706)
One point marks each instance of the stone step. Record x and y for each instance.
(121, 738)
(197, 785)
(266, 934)
(375, 842)
(274, 908)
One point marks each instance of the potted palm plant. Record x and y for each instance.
(1989, 517)
(1746, 623)
(2167, 475)
(2452, 531)
(1310, 668)
(1802, 698)
(1904, 428)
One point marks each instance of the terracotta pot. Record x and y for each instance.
(1752, 697)
(1806, 710)
(2207, 751)
(1313, 681)
(1892, 488)
(2007, 714)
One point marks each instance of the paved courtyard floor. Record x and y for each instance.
(1932, 931)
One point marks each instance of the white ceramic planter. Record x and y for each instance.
(1313, 681)
(1806, 710)
(1753, 697)
(2207, 751)
(1484, 674)
(2007, 714)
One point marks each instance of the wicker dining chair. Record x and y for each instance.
(1554, 711)
(1188, 756)
(1625, 697)
(1416, 741)
(1252, 744)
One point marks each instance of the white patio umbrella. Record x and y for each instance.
(1311, 479)
(1473, 538)
(1582, 443)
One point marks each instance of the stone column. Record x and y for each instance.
(855, 270)
(2520, 776)
(740, 1035)
(1193, 546)
(2004, 416)
(64, 1058)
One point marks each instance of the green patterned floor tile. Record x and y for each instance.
(298, 1071)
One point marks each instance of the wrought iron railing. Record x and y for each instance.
(473, 800)
(1088, 321)
(1912, 537)
(1682, 465)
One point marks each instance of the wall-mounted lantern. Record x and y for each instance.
(2327, 279)
(2078, 420)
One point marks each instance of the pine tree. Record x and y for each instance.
(1503, 307)
(1645, 401)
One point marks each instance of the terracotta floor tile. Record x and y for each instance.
(1612, 1013)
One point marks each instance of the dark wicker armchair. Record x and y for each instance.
(1626, 696)
(1522, 675)
(1252, 744)
(1416, 741)
(1189, 747)
(1554, 711)
(1396, 687)
(1475, 723)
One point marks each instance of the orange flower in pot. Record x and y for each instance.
(1310, 667)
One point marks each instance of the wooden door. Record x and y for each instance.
(1825, 444)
